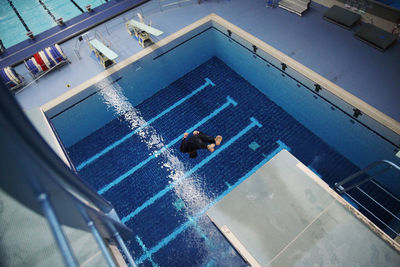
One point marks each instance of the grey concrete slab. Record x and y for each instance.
(337, 238)
(284, 217)
(27, 240)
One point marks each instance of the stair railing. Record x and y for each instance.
(341, 189)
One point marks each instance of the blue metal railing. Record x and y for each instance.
(341, 189)
(35, 176)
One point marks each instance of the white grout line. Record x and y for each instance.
(299, 234)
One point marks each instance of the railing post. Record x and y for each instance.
(96, 235)
(351, 177)
(341, 189)
(57, 231)
(122, 245)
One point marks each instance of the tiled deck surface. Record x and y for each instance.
(327, 49)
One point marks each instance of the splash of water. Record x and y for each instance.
(190, 191)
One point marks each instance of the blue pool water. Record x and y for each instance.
(124, 140)
(36, 17)
(163, 198)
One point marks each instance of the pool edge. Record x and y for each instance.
(334, 89)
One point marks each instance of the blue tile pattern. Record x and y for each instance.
(254, 145)
(185, 236)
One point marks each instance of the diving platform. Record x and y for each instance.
(145, 27)
(105, 55)
(285, 215)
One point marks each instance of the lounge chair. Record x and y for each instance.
(46, 60)
(11, 78)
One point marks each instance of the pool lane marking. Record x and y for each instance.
(142, 245)
(169, 187)
(126, 137)
(189, 223)
(227, 184)
(107, 187)
(199, 231)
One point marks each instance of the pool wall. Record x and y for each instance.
(150, 73)
(363, 140)
(369, 137)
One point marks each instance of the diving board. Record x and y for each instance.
(103, 53)
(145, 27)
(103, 49)
(285, 215)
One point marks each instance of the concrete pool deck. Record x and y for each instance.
(321, 46)
(57, 34)
(285, 215)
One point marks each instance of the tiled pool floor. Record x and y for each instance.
(164, 198)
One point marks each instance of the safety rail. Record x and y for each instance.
(64, 199)
(103, 222)
(85, 37)
(341, 189)
(98, 35)
(164, 3)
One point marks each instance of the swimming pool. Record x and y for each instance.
(38, 16)
(127, 128)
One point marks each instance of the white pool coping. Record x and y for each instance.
(40, 122)
(78, 92)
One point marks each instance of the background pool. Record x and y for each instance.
(36, 17)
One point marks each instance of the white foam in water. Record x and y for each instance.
(189, 191)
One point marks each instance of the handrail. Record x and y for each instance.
(57, 189)
(177, 2)
(100, 36)
(370, 212)
(339, 186)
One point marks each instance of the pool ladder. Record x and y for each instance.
(376, 166)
